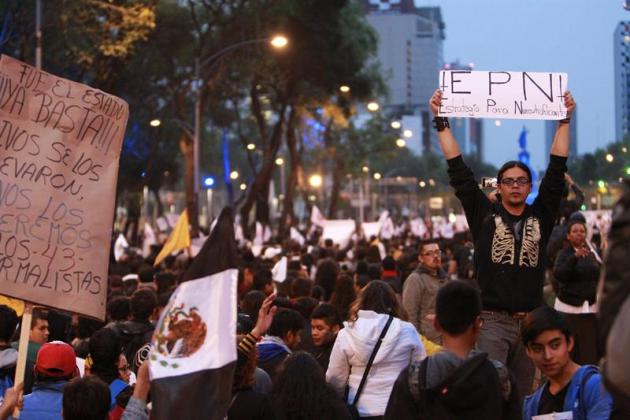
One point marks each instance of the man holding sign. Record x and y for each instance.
(509, 238)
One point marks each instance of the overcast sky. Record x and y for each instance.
(575, 37)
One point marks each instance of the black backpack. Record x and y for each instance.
(472, 391)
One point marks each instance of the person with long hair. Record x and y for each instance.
(400, 346)
(576, 269)
(343, 295)
(301, 393)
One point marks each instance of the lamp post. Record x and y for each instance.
(277, 42)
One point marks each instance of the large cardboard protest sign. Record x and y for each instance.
(503, 94)
(59, 147)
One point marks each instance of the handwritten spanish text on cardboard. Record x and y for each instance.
(59, 147)
(502, 94)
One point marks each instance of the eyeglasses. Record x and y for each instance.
(521, 180)
(435, 253)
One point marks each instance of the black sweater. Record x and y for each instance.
(509, 267)
(577, 277)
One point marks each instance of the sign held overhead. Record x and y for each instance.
(503, 94)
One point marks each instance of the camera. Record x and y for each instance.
(487, 182)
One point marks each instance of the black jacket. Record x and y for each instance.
(509, 265)
(577, 277)
(444, 386)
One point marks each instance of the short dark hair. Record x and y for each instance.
(39, 313)
(457, 305)
(427, 242)
(252, 301)
(118, 309)
(305, 306)
(87, 398)
(513, 164)
(142, 303)
(146, 274)
(301, 287)
(284, 321)
(327, 313)
(374, 271)
(8, 323)
(389, 263)
(541, 319)
(262, 277)
(164, 281)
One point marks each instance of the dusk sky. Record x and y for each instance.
(575, 37)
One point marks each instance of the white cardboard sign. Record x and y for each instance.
(503, 94)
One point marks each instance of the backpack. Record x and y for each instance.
(457, 397)
(132, 340)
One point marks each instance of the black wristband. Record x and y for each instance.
(440, 123)
(565, 121)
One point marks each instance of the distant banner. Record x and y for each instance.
(59, 147)
(503, 94)
(339, 231)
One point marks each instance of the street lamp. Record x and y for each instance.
(395, 125)
(315, 180)
(372, 106)
(408, 133)
(277, 42)
(365, 169)
(609, 158)
(377, 176)
(344, 89)
(279, 161)
(401, 143)
(155, 122)
(234, 175)
(251, 146)
(243, 187)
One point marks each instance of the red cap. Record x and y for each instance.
(56, 359)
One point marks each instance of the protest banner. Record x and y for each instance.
(502, 94)
(60, 143)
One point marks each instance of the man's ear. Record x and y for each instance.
(570, 344)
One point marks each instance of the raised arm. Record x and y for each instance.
(448, 143)
(560, 146)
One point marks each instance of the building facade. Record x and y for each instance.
(621, 40)
(410, 54)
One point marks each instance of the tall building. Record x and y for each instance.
(467, 131)
(550, 131)
(410, 57)
(621, 40)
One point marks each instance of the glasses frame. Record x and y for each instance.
(520, 181)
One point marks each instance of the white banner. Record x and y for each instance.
(503, 94)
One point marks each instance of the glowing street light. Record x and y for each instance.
(251, 146)
(408, 133)
(155, 123)
(377, 176)
(243, 187)
(315, 180)
(372, 106)
(365, 169)
(432, 182)
(609, 158)
(422, 184)
(624, 149)
(395, 125)
(234, 175)
(279, 41)
(279, 161)
(401, 143)
(344, 89)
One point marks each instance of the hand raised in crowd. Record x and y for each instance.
(582, 252)
(143, 382)
(569, 102)
(265, 316)
(13, 398)
(435, 101)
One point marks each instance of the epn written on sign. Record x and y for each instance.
(503, 94)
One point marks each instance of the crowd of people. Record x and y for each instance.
(498, 323)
